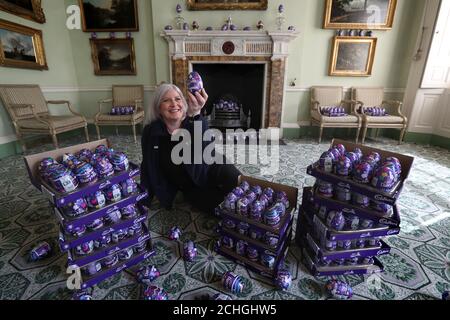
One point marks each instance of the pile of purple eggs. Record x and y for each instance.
(364, 169)
(122, 110)
(262, 205)
(86, 167)
(340, 221)
(126, 213)
(333, 111)
(101, 198)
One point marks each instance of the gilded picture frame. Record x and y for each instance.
(359, 14)
(113, 57)
(227, 5)
(28, 9)
(21, 47)
(352, 56)
(103, 16)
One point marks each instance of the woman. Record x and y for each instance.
(204, 186)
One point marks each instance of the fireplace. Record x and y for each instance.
(247, 65)
(236, 94)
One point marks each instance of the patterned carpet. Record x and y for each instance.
(418, 267)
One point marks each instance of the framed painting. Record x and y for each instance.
(113, 57)
(21, 47)
(109, 15)
(352, 56)
(227, 4)
(28, 9)
(359, 14)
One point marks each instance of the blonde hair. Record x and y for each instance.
(152, 113)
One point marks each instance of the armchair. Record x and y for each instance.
(122, 96)
(371, 97)
(333, 96)
(29, 113)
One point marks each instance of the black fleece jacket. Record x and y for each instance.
(152, 177)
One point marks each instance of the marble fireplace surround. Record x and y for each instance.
(263, 47)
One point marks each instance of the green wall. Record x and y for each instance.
(71, 69)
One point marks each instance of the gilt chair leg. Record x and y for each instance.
(86, 132)
(55, 140)
(98, 131)
(134, 133)
(358, 130)
(320, 134)
(363, 140)
(402, 136)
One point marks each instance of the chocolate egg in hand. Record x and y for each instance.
(195, 82)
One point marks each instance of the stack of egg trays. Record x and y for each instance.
(70, 223)
(90, 281)
(312, 254)
(283, 230)
(310, 227)
(62, 199)
(67, 242)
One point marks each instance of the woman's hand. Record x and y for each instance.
(196, 102)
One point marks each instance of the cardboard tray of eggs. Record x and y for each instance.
(69, 240)
(324, 172)
(61, 198)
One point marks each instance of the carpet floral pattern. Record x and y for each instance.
(418, 267)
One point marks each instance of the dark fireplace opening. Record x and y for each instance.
(235, 94)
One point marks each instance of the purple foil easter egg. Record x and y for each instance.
(446, 295)
(256, 210)
(41, 251)
(69, 160)
(178, 8)
(147, 274)
(256, 189)
(62, 179)
(384, 178)
(155, 293)
(247, 28)
(358, 152)
(113, 193)
(395, 163)
(283, 280)
(375, 155)
(96, 200)
(168, 27)
(336, 220)
(281, 196)
(343, 166)
(189, 251)
(175, 233)
(119, 161)
(281, 8)
(44, 165)
(84, 155)
(238, 192)
(194, 82)
(251, 196)
(185, 26)
(352, 156)
(243, 206)
(244, 186)
(230, 202)
(76, 208)
(291, 28)
(362, 172)
(339, 290)
(103, 167)
(128, 187)
(85, 173)
(130, 212)
(336, 153)
(326, 161)
(340, 148)
(101, 149)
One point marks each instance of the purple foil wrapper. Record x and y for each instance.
(339, 290)
(41, 251)
(155, 293)
(147, 274)
(283, 280)
(194, 82)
